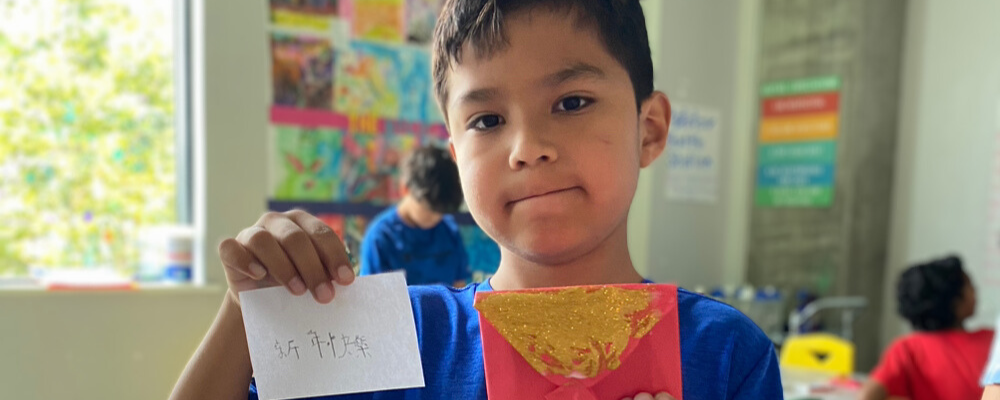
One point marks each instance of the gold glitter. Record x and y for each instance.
(575, 332)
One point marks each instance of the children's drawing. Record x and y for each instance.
(414, 69)
(365, 84)
(378, 20)
(302, 71)
(389, 82)
(308, 163)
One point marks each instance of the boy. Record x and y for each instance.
(551, 110)
(416, 236)
(941, 360)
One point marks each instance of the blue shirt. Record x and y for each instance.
(427, 256)
(724, 356)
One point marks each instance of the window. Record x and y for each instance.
(93, 131)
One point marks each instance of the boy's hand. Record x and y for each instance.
(293, 249)
(647, 396)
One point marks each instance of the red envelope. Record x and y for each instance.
(581, 343)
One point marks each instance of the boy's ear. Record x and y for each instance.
(451, 150)
(654, 125)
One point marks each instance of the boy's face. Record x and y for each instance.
(548, 138)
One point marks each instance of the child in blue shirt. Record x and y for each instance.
(552, 113)
(417, 236)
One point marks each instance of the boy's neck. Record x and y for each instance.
(416, 215)
(609, 263)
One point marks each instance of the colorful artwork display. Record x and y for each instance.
(352, 95)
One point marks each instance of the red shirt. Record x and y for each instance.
(935, 365)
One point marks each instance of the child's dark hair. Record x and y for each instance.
(928, 293)
(431, 176)
(619, 23)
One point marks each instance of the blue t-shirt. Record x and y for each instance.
(724, 356)
(427, 256)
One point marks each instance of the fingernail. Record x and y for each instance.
(257, 270)
(345, 274)
(324, 293)
(296, 286)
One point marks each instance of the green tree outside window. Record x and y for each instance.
(86, 131)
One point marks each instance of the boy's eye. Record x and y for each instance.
(487, 122)
(574, 103)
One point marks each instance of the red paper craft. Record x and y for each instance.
(581, 343)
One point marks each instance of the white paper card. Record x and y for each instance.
(363, 341)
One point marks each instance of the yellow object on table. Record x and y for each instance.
(819, 352)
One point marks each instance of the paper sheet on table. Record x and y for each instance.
(363, 341)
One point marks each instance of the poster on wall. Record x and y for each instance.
(797, 142)
(693, 154)
(351, 96)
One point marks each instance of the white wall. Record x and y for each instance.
(948, 120)
(642, 202)
(133, 345)
(113, 345)
(706, 56)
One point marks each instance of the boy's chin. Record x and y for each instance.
(552, 251)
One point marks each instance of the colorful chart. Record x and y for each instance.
(797, 150)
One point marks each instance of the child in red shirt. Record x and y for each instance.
(941, 360)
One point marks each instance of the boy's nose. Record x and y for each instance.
(530, 149)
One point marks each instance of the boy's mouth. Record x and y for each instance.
(540, 193)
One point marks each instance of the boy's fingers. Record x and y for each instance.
(299, 248)
(643, 396)
(238, 259)
(327, 244)
(664, 396)
(262, 245)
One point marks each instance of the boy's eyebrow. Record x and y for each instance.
(483, 95)
(576, 71)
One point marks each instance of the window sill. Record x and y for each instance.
(140, 289)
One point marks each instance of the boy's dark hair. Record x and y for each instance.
(619, 23)
(431, 176)
(928, 293)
